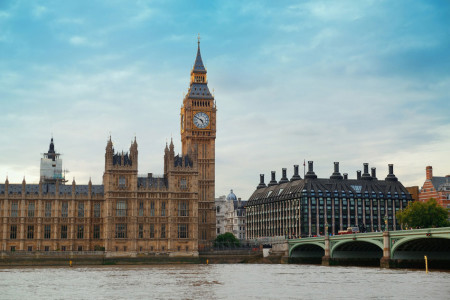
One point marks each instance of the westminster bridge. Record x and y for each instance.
(389, 248)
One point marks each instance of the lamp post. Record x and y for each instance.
(386, 223)
(326, 229)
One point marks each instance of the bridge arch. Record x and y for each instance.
(416, 247)
(339, 244)
(310, 249)
(357, 251)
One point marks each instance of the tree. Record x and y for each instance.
(227, 240)
(423, 214)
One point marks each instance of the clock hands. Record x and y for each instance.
(198, 118)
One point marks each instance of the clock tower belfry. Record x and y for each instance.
(198, 135)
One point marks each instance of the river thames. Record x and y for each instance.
(227, 281)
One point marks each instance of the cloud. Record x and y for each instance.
(323, 81)
(77, 40)
(142, 15)
(39, 11)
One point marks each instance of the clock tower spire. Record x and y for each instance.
(198, 135)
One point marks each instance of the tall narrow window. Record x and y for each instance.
(14, 209)
(47, 231)
(97, 210)
(80, 231)
(64, 210)
(121, 231)
(141, 209)
(183, 209)
(13, 232)
(163, 231)
(163, 209)
(152, 209)
(121, 208)
(31, 209)
(63, 232)
(183, 184)
(141, 231)
(96, 232)
(152, 231)
(80, 210)
(204, 216)
(183, 231)
(30, 232)
(48, 209)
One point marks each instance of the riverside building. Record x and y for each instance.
(230, 215)
(171, 214)
(313, 206)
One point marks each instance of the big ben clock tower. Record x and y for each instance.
(198, 135)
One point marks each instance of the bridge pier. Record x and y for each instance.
(386, 259)
(326, 258)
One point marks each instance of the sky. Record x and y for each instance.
(348, 81)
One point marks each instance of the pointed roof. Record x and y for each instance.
(51, 149)
(198, 65)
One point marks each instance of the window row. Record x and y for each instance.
(31, 209)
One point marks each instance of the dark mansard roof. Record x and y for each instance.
(330, 187)
(51, 189)
(440, 182)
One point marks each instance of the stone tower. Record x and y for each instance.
(198, 135)
(120, 192)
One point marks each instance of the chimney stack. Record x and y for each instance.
(345, 176)
(273, 181)
(261, 182)
(358, 175)
(374, 173)
(284, 177)
(366, 174)
(391, 176)
(429, 172)
(310, 174)
(336, 174)
(296, 176)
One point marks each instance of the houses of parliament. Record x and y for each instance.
(171, 214)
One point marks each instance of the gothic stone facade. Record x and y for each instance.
(171, 214)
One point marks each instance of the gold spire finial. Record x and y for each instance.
(198, 39)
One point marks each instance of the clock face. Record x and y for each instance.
(201, 120)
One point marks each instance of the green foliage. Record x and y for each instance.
(227, 240)
(423, 214)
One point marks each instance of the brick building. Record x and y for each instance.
(437, 187)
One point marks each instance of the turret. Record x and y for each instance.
(23, 185)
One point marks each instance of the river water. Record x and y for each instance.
(227, 281)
